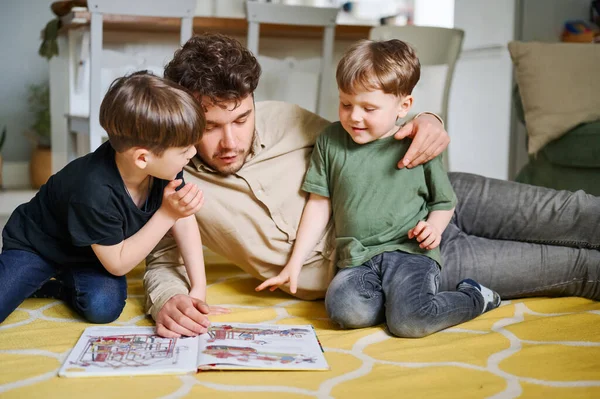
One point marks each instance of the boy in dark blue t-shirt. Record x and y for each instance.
(102, 214)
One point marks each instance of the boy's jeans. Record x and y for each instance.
(401, 289)
(522, 240)
(94, 293)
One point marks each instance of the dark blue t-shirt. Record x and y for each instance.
(83, 204)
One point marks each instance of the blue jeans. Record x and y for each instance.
(95, 294)
(522, 240)
(401, 289)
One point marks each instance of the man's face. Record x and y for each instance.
(228, 135)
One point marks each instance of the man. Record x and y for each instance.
(517, 239)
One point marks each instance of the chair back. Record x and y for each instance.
(269, 13)
(438, 50)
(183, 9)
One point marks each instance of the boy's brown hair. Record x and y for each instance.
(144, 110)
(391, 66)
(215, 66)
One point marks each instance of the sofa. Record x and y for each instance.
(558, 100)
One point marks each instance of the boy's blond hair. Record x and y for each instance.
(144, 110)
(391, 66)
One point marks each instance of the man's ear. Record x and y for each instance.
(141, 157)
(404, 105)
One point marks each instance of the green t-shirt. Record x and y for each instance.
(374, 203)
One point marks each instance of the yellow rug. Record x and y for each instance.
(535, 348)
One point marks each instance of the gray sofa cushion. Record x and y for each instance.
(580, 147)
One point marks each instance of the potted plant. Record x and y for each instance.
(2, 139)
(40, 165)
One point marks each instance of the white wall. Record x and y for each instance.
(543, 20)
(21, 22)
(479, 110)
(434, 13)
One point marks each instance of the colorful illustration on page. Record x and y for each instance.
(131, 350)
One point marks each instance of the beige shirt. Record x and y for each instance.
(251, 218)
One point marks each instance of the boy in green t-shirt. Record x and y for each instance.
(388, 222)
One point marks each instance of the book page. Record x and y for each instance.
(114, 351)
(260, 346)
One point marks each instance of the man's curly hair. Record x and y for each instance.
(215, 66)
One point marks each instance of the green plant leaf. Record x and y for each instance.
(39, 105)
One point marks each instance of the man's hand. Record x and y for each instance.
(427, 234)
(182, 316)
(430, 139)
(288, 274)
(185, 202)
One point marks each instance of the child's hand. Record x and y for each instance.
(213, 310)
(185, 202)
(198, 294)
(288, 274)
(427, 234)
(218, 310)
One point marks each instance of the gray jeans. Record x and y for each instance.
(401, 289)
(522, 240)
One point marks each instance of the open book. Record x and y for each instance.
(115, 351)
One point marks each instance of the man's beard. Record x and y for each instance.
(232, 168)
